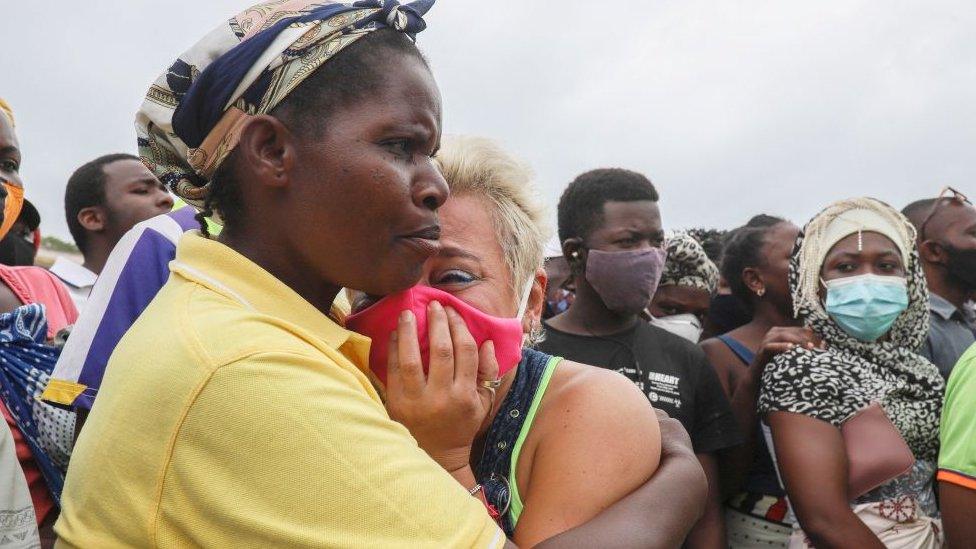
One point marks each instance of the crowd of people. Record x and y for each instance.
(308, 319)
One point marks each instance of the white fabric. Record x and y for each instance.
(684, 325)
(898, 523)
(73, 355)
(748, 532)
(77, 279)
(18, 523)
(861, 220)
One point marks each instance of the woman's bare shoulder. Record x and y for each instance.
(589, 393)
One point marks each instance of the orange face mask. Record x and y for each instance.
(11, 207)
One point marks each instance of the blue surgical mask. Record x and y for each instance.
(866, 306)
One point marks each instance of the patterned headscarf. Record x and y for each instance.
(688, 265)
(835, 384)
(194, 112)
(8, 112)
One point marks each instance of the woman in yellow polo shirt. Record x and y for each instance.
(237, 411)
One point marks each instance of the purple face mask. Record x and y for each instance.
(625, 280)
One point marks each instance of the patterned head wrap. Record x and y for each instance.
(688, 265)
(833, 385)
(7, 111)
(192, 116)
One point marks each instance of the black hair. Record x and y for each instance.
(764, 220)
(86, 188)
(918, 210)
(743, 249)
(352, 74)
(581, 205)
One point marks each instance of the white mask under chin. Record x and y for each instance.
(685, 325)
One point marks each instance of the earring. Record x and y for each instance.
(761, 291)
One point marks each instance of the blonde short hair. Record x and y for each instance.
(476, 166)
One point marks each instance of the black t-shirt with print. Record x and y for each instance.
(673, 372)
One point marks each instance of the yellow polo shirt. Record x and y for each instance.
(235, 414)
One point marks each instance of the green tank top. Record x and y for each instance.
(515, 510)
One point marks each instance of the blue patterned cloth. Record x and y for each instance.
(26, 363)
(194, 112)
(494, 470)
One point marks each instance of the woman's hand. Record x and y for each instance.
(781, 340)
(444, 410)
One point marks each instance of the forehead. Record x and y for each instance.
(126, 170)
(782, 235)
(467, 224)
(641, 215)
(871, 243)
(951, 214)
(691, 298)
(8, 138)
(408, 92)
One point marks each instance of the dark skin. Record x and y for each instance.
(10, 160)
(772, 309)
(811, 454)
(132, 194)
(381, 148)
(952, 226)
(673, 299)
(630, 226)
(626, 226)
(957, 504)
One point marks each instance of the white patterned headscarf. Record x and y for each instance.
(688, 264)
(834, 384)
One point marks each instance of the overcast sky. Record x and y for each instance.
(731, 108)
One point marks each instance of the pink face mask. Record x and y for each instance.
(379, 320)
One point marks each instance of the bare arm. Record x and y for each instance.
(958, 505)
(745, 390)
(813, 462)
(598, 440)
(709, 532)
(665, 507)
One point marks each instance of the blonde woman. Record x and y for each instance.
(562, 442)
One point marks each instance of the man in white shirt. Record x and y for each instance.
(102, 201)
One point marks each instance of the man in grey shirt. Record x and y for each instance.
(947, 247)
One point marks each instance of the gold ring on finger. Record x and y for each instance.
(491, 383)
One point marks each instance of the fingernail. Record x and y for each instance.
(450, 311)
(435, 306)
(406, 316)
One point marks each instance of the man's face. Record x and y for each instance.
(631, 225)
(132, 195)
(954, 226)
(950, 241)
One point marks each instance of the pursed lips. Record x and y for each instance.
(426, 241)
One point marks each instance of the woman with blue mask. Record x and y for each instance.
(857, 283)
